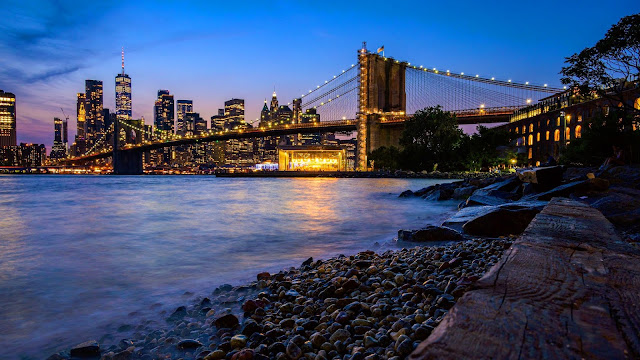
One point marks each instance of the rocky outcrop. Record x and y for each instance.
(429, 233)
(500, 222)
(87, 349)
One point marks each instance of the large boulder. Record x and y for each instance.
(544, 177)
(621, 206)
(463, 192)
(628, 176)
(500, 222)
(87, 349)
(429, 233)
(563, 190)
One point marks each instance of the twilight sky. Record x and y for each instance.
(212, 51)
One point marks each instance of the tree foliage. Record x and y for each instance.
(598, 135)
(430, 140)
(608, 67)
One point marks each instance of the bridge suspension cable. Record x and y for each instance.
(104, 136)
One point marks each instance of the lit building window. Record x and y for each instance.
(530, 153)
(578, 132)
(567, 134)
(538, 137)
(524, 129)
(547, 135)
(517, 130)
(530, 139)
(558, 121)
(556, 135)
(579, 118)
(531, 128)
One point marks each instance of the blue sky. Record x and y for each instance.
(212, 51)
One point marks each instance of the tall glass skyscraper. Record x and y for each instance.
(7, 119)
(94, 106)
(59, 149)
(184, 107)
(123, 94)
(164, 111)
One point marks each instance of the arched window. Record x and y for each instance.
(517, 130)
(556, 135)
(524, 129)
(558, 121)
(578, 132)
(531, 139)
(531, 128)
(547, 135)
(548, 122)
(538, 137)
(579, 118)
(636, 104)
(530, 153)
(567, 134)
(568, 119)
(524, 141)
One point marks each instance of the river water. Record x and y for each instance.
(82, 255)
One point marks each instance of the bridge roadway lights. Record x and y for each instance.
(128, 162)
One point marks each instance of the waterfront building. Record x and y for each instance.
(164, 111)
(184, 107)
(94, 117)
(275, 115)
(311, 158)
(60, 143)
(548, 126)
(123, 94)
(7, 119)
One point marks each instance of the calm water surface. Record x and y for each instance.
(80, 254)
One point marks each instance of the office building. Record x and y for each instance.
(184, 107)
(7, 119)
(60, 143)
(164, 112)
(93, 109)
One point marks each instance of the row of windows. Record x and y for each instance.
(577, 134)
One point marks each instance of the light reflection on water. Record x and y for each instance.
(79, 253)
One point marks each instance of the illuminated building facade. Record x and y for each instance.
(267, 147)
(81, 116)
(547, 127)
(7, 119)
(60, 143)
(123, 94)
(164, 111)
(184, 107)
(311, 158)
(310, 116)
(23, 155)
(94, 120)
(238, 152)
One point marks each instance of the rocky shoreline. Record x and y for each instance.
(370, 305)
(365, 306)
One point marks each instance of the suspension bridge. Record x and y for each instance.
(373, 97)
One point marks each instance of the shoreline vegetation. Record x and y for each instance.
(375, 305)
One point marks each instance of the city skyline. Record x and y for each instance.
(48, 58)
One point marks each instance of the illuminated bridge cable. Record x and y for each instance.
(323, 96)
(334, 78)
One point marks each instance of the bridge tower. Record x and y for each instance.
(381, 93)
(125, 162)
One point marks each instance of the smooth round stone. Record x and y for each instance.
(238, 341)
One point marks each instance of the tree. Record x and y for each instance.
(610, 66)
(488, 147)
(385, 158)
(430, 140)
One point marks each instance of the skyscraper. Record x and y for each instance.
(7, 119)
(81, 116)
(184, 107)
(164, 111)
(59, 149)
(93, 107)
(123, 94)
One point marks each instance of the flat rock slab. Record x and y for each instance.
(568, 288)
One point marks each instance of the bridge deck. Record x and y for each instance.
(568, 288)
